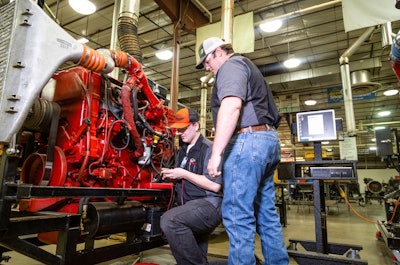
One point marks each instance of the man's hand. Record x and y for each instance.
(213, 165)
(172, 173)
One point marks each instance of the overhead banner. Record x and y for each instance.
(335, 95)
(359, 14)
(243, 33)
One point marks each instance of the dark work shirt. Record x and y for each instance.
(196, 161)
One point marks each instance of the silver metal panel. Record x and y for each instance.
(34, 46)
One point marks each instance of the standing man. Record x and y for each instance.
(247, 144)
(198, 212)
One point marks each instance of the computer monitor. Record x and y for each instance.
(315, 126)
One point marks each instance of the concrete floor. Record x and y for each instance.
(343, 227)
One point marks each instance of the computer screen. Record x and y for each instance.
(316, 125)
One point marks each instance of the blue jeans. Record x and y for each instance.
(187, 228)
(248, 205)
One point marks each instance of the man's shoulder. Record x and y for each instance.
(204, 141)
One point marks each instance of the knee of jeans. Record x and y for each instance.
(164, 221)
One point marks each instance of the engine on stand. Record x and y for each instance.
(80, 152)
(77, 134)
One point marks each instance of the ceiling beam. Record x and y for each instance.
(184, 12)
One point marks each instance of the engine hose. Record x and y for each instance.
(92, 59)
(137, 77)
(126, 105)
(135, 105)
(128, 37)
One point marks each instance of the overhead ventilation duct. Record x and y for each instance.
(128, 28)
(361, 83)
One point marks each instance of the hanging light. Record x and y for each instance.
(384, 113)
(310, 102)
(84, 7)
(271, 26)
(391, 92)
(164, 54)
(292, 61)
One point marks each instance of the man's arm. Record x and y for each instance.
(197, 179)
(227, 119)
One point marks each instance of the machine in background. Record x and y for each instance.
(387, 141)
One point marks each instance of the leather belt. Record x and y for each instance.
(263, 127)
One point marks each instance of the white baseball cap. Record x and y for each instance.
(208, 46)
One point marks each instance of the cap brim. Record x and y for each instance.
(200, 64)
(179, 125)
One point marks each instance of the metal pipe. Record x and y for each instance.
(175, 70)
(386, 34)
(299, 12)
(227, 20)
(114, 40)
(346, 82)
(350, 51)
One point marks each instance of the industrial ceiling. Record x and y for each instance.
(312, 30)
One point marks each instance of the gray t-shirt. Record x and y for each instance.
(240, 77)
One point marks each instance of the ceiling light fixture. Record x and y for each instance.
(164, 54)
(271, 26)
(310, 102)
(84, 7)
(379, 128)
(391, 92)
(291, 63)
(384, 113)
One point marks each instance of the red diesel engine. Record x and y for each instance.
(88, 130)
(80, 152)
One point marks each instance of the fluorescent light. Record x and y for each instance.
(325, 142)
(84, 7)
(164, 54)
(83, 40)
(379, 128)
(310, 102)
(384, 113)
(291, 63)
(271, 26)
(391, 92)
(203, 78)
(372, 148)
